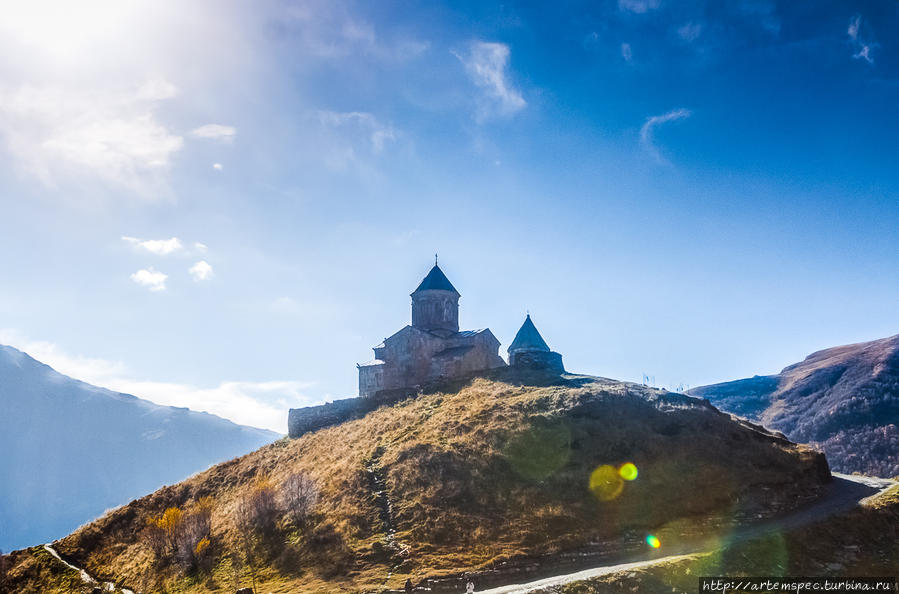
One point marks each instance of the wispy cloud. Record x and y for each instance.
(159, 247)
(150, 278)
(689, 32)
(55, 132)
(378, 134)
(648, 128)
(201, 271)
(638, 6)
(258, 404)
(763, 12)
(165, 247)
(327, 30)
(216, 132)
(487, 64)
(626, 52)
(861, 41)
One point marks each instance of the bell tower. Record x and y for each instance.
(435, 304)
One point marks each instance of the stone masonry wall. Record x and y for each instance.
(312, 418)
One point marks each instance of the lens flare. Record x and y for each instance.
(652, 541)
(628, 471)
(539, 452)
(605, 483)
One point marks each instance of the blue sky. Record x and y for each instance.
(224, 205)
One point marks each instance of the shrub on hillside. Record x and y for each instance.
(182, 536)
(257, 511)
(298, 495)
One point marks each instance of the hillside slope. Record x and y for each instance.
(844, 399)
(478, 473)
(69, 450)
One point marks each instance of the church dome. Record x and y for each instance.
(528, 338)
(436, 281)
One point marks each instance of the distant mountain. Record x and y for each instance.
(70, 450)
(845, 399)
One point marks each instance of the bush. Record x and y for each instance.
(299, 494)
(176, 535)
(257, 511)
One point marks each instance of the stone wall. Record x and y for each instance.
(548, 360)
(312, 418)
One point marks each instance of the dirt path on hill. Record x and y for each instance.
(85, 576)
(843, 494)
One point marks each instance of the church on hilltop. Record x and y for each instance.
(434, 348)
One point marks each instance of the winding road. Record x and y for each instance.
(843, 493)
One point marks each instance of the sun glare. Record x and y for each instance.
(62, 27)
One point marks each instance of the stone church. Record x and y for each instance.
(434, 348)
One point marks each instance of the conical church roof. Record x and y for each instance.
(528, 338)
(436, 280)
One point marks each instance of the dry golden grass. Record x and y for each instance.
(486, 470)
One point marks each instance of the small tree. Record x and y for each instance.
(260, 511)
(170, 523)
(195, 529)
(155, 537)
(255, 516)
(178, 535)
(298, 495)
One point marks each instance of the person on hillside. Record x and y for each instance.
(408, 586)
(469, 587)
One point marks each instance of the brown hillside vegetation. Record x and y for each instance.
(459, 479)
(844, 400)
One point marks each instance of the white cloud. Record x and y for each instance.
(325, 29)
(200, 271)
(854, 24)
(150, 278)
(861, 43)
(350, 139)
(57, 132)
(200, 247)
(646, 132)
(626, 52)
(638, 6)
(378, 134)
(156, 89)
(487, 65)
(217, 166)
(689, 32)
(77, 366)
(159, 247)
(258, 404)
(215, 132)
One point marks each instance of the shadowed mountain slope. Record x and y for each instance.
(474, 475)
(70, 450)
(845, 399)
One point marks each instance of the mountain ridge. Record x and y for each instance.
(71, 450)
(844, 399)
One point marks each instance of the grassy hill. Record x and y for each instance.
(843, 399)
(475, 475)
